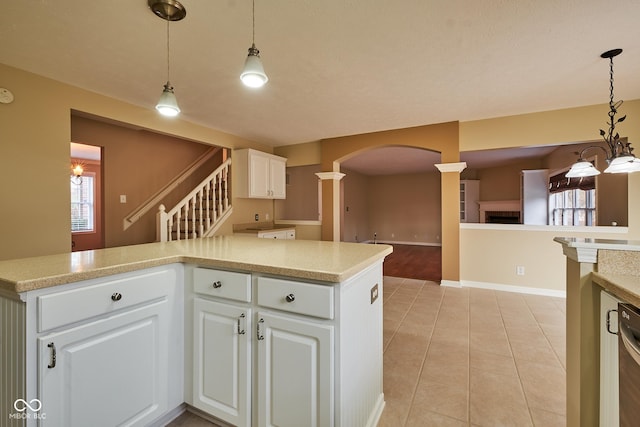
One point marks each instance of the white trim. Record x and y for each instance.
(336, 176)
(512, 288)
(555, 228)
(451, 167)
(451, 283)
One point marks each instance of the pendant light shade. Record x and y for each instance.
(619, 152)
(253, 74)
(168, 104)
(169, 10)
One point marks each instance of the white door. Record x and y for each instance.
(222, 361)
(258, 176)
(296, 374)
(111, 372)
(278, 178)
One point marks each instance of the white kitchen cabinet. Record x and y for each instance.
(222, 361)
(609, 396)
(101, 351)
(259, 175)
(295, 372)
(292, 353)
(469, 196)
(278, 235)
(109, 372)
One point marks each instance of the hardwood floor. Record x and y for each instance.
(414, 262)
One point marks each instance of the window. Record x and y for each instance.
(572, 201)
(83, 204)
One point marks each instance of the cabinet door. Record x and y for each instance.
(295, 372)
(222, 361)
(259, 172)
(278, 178)
(109, 372)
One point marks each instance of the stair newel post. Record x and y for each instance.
(162, 221)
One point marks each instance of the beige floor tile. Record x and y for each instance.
(492, 363)
(497, 400)
(420, 418)
(447, 399)
(544, 385)
(547, 419)
(490, 342)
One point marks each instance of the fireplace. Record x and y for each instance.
(500, 212)
(502, 217)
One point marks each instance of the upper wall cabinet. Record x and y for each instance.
(259, 175)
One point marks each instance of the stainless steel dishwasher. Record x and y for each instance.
(629, 364)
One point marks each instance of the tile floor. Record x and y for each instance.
(468, 357)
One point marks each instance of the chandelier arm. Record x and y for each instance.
(592, 146)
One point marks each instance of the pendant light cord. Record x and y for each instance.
(168, 61)
(253, 22)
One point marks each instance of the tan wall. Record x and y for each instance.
(406, 208)
(302, 195)
(490, 255)
(36, 132)
(356, 209)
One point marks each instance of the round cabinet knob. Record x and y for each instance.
(217, 284)
(116, 296)
(290, 298)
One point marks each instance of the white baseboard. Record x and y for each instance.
(451, 283)
(512, 288)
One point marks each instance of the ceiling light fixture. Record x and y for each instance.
(619, 156)
(253, 74)
(169, 10)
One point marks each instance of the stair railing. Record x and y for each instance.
(201, 212)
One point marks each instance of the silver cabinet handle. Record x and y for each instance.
(117, 296)
(609, 322)
(290, 298)
(52, 363)
(241, 331)
(217, 284)
(258, 334)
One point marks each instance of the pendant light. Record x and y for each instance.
(253, 74)
(619, 154)
(169, 10)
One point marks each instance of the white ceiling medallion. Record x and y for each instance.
(6, 97)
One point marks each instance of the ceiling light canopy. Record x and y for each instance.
(253, 74)
(169, 10)
(618, 151)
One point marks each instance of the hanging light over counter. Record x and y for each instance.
(253, 74)
(169, 10)
(619, 152)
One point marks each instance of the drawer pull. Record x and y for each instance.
(52, 346)
(258, 334)
(241, 331)
(290, 298)
(609, 322)
(217, 284)
(117, 296)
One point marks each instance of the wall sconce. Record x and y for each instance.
(77, 170)
(619, 154)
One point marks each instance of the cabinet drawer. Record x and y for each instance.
(223, 284)
(296, 297)
(74, 305)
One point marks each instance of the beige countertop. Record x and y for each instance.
(626, 287)
(305, 259)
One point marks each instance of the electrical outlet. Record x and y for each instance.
(123, 198)
(374, 293)
(257, 217)
(520, 270)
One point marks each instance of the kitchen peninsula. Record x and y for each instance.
(594, 266)
(248, 331)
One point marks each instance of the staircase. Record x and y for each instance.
(201, 212)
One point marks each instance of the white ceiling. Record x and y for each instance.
(336, 67)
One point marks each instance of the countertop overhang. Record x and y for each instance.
(305, 259)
